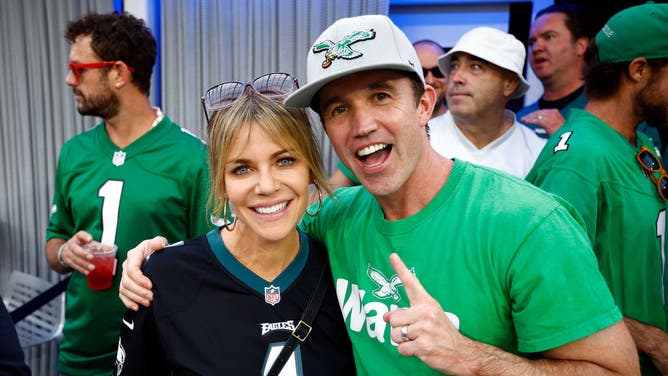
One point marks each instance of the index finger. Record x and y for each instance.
(416, 293)
(83, 237)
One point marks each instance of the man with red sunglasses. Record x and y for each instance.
(135, 163)
(612, 174)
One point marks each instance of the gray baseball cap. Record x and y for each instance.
(352, 45)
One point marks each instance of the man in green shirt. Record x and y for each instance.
(132, 176)
(611, 172)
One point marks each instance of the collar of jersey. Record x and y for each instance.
(408, 225)
(144, 141)
(252, 280)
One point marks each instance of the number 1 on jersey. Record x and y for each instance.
(661, 234)
(110, 192)
(563, 142)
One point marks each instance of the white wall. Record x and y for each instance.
(441, 20)
(445, 23)
(147, 10)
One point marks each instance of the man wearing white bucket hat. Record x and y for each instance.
(484, 71)
(509, 264)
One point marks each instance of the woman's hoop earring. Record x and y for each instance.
(319, 202)
(227, 223)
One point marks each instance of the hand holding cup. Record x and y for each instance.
(104, 259)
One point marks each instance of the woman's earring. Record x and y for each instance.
(228, 222)
(319, 202)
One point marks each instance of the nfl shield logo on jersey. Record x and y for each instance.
(119, 158)
(272, 295)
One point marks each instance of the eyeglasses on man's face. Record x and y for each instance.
(78, 68)
(223, 95)
(652, 165)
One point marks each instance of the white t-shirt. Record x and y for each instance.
(514, 152)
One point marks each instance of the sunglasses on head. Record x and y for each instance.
(652, 165)
(435, 71)
(223, 95)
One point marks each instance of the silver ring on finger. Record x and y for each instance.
(404, 333)
(540, 117)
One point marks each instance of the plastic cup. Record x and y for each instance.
(104, 259)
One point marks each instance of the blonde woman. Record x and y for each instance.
(227, 302)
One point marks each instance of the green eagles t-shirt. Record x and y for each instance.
(509, 261)
(595, 168)
(155, 186)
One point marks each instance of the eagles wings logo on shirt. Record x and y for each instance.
(387, 287)
(342, 49)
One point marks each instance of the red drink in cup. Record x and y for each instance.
(104, 259)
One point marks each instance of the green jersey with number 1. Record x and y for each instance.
(595, 168)
(155, 186)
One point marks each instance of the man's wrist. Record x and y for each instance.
(59, 256)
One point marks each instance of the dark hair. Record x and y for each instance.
(575, 21)
(603, 78)
(429, 42)
(121, 37)
(417, 85)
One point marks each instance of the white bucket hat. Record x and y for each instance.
(495, 46)
(353, 45)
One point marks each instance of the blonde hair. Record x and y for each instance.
(288, 126)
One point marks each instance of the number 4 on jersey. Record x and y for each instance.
(293, 367)
(563, 142)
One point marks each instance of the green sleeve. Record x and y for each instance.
(61, 223)
(556, 278)
(574, 187)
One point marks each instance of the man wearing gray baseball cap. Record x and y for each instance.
(459, 268)
(426, 234)
(484, 71)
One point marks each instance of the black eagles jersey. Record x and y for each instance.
(213, 316)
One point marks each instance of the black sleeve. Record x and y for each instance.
(139, 348)
(12, 361)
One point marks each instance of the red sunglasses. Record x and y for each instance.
(77, 68)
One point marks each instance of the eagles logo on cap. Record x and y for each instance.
(342, 49)
(388, 48)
